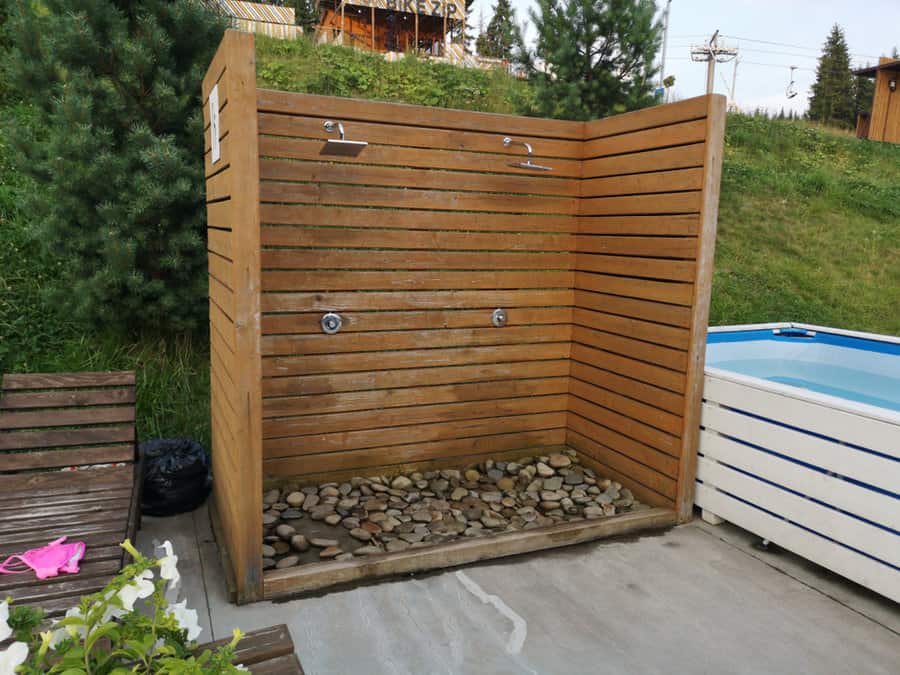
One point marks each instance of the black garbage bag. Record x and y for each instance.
(176, 476)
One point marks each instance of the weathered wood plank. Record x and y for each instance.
(278, 345)
(322, 575)
(455, 450)
(412, 300)
(23, 400)
(335, 422)
(357, 237)
(714, 136)
(396, 198)
(66, 417)
(66, 380)
(66, 437)
(496, 161)
(369, 399)
(414, 115)
(413, 377)
(279, 366)
(359, 174)
(53, 459)
(311, 214)
(420, 433)
(343, 280)
(308, 322)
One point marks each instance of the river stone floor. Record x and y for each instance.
(376, 514)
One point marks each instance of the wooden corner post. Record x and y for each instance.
(232, 187)
(706, 244)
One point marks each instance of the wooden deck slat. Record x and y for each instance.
(66, 437)
(64, 483)
(66, 380)
(23, 400)
(66, 418)
(52, 459)
(23, 526)
(106, 569)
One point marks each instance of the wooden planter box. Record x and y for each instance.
(603, 266)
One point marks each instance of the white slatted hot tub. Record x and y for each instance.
(800, 444)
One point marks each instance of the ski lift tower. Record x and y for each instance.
(712, 53)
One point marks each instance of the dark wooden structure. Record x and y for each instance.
(883, 123)
(603, 264)
(393, 25)
(269, 651)
(71, 421)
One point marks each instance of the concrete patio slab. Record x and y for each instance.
(695, 599)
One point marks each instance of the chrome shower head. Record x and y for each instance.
(528, 164)
(340, 146)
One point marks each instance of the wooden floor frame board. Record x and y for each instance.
(317, 576)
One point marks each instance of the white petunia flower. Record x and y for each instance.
(141, 588)
(186, 619)
(12, 657)
(5, 630)
(65, 632)
(241, 666)
(168, 565)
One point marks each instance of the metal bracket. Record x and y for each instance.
(498, 318)
(331, 323)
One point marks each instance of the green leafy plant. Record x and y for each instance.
(109, 633)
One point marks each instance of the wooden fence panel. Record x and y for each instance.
(416, 240)
(643, 261)
(232, 186)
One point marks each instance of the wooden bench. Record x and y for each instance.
(269, 651)
(55, 421)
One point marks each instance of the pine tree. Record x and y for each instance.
(115, 85)
(456, 25)
(502, 39)
(863, 94)
(598, 56)
(306, 14)
(832, 100)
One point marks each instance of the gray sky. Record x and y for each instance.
(872, 28)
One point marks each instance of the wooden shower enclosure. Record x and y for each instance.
(602, 264)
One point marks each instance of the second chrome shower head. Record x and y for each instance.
(527, 164)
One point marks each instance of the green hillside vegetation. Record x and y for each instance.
(809, 230)
(302, 66)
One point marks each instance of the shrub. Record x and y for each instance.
(109, 631)
(117, 157)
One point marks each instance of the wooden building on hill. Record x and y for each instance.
(883, 123)
(431, 27)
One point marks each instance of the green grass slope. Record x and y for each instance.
(809, 228)
(304, 67)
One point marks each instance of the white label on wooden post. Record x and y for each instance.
(214, 123)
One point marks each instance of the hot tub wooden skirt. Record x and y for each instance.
(317, 576)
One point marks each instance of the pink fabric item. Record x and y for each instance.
(47, 561)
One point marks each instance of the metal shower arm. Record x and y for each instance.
(330, 126)
(508, 142)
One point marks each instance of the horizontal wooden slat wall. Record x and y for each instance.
(415, 241)
(643, 260)
(232, 187)
(603, 266)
